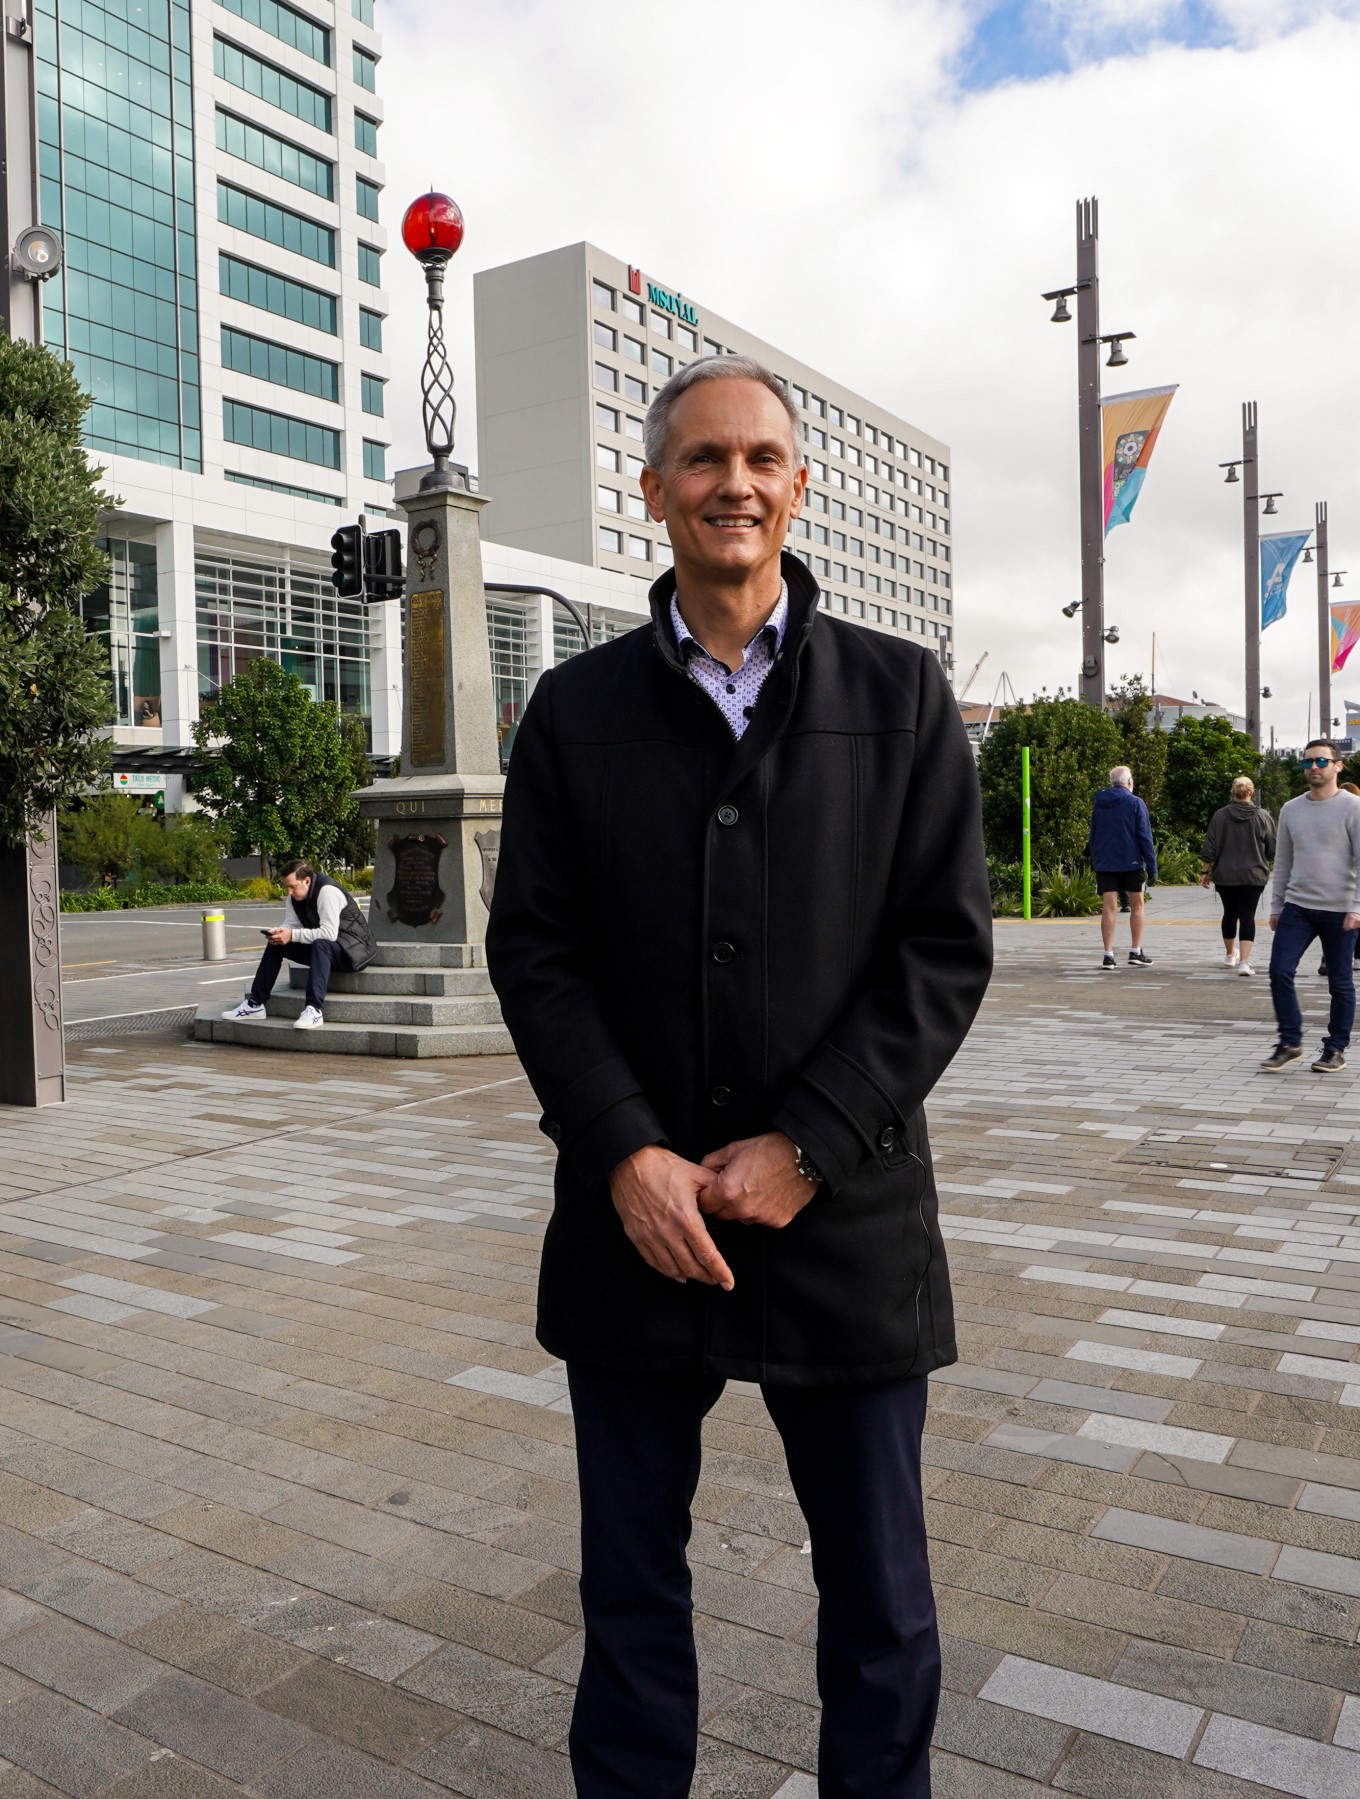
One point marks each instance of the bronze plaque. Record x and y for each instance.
(425, 647)
(415, 896)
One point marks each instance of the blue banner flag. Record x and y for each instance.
(1279, 553)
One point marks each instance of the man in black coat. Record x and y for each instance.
(741, 926)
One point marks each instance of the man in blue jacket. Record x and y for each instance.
(1125, 860)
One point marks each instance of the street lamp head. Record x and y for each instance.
(1271, 508)
(1266, 694)
(1336, 578)
(1308, 554)
(1116, 358)
(432, 228)
(1061, 316)
(1072, 608)
(1112, 635)
(1232, 474)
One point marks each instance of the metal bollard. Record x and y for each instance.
(214, 936)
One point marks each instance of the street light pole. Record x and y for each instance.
(1324, 617)
(1251, 569)
(1089, 459)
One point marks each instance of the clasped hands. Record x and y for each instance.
(663, 1201)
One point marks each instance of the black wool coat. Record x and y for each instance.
(696, 939)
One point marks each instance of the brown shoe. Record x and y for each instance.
(1329, 1062)
(1281, 1056)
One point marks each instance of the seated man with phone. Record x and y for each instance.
(324, 927)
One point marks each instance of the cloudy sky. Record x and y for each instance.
(884, 187)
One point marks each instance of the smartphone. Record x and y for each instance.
(264, 933)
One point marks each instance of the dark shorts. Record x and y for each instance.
(1130, 880)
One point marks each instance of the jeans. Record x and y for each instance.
(853, 1455)
(1298, 926)
(321, 957)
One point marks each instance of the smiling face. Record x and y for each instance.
(731, 481)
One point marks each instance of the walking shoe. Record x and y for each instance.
(246, 1009)
(1246, 968)
(1109, 961)
(309, 1019)
(1230, 959)
(1281, 1056)
(1329, 1062)
(1139, 958)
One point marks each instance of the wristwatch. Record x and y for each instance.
(805, 1166)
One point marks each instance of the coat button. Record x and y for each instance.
(723, 952)
(721, 1096)
(551, 1128)
(728, 815)
(887, 1137)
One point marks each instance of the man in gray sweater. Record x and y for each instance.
(1316, 894)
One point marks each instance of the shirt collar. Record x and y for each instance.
(772, 631)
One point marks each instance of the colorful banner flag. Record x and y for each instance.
(1131, 422)
(1279, 552)
(1345, 636)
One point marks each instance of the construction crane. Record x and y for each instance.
(972, 676)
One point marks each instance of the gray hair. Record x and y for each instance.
(1243, 787)
(1121, 777)
(714, 368)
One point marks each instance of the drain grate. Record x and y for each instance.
(129, 1024)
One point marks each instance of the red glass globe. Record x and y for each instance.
(432, 225)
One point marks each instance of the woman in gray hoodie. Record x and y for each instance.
(1239, 847)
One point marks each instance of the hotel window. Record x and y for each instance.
(606, 419)
(366, 198)
(875, 614)
(606, 377)
(687, 339)
(633, 311)
(635, 390)
(665, 556)
(915, 459)
(280, 434)
(890, 588)
(818, 469)
(820, 565)
(602, 295)
(375, 460)
(875, 584)
(835, 416)
(365, 134)
(611, 540)
(606, 337)
(632, 426)
(837, 478)
(852, 424)
(370, 265)
(641, 548)
(857, 608)
(836, 447)
(852, 454)
(856, 546)
(799, 396)
(662, 366)
(889, 560)
(365, 70)
(635, 466)
(875, 554)
(838, 509)
(370, 329)
(661, 325)
(857, 577)
(838, 570)
(856, 517)
(606, 458)
(637, 508)
(712, 347)
(838, 540)
(818, 501)
(817, 437)
(607, 499)
(801, 527)
(819, 534)
(853, 484)
(372, 392)
(817, 406)
(633, 350)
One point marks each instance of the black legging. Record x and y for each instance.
(1239, 912)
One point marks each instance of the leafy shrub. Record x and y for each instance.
(257, 888)
(1069, 895)
(103, 899)
(187, 847)
(1177, 864)
(106, 836)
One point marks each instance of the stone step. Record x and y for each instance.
(428, 983)
(355, 1039)
(431, 955)
(362, 1008)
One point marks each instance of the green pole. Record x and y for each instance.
(1024, 807)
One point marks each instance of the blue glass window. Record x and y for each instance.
(375, 460)
(366, 197)
(275, 224)
(265, 82)
(365, 134)
(297, 493)
(277, 293)
(268, 361)
(280, 434)
(275, 155)
(287, 24)
(372, 388)
(366, 70)
(363, 11)
(370, 265)
(370, 328)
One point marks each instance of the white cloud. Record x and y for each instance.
(812, 174)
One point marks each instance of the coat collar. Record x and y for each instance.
(802, 590)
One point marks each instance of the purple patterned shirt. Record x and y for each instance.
(734, 691)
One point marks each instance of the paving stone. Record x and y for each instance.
(68, 1746)
(1223, 1589)
(1322, 1659)
(227, 1734)
(170, 1778)
(509, 1633)
(325, 1769)
(483, 1764)
(369, 1715)
(122, 1544)
(1166, 1725)
(1228, 1687)
(1334, 1573)
(1143, 1614)
(96, 1597)
(952, 1777)
(767, 1725)
(1291, 1763)
(513, 1699)
(229, 1654)
(79, 1663)
(17, 1614)
(999, 1735)
(725, 1771)
(1192, 1541)
(1097, 1768)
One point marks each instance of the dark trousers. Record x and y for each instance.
(321, 957)
(854, 1457)
(1239, 912)
(1298, 926)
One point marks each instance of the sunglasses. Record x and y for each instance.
(1318, 761)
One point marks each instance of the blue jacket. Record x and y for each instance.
(1121, 833)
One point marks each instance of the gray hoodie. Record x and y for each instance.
(1240, 845)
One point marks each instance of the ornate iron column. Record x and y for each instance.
(32, 1049)
(432, 230)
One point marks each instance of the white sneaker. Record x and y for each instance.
(1231, 959)
(246, 1009)
(1246, 968)
(309, 1019)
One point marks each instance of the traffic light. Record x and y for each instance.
(384, 578)
(347, 561)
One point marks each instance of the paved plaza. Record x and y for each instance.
(286, 1486)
